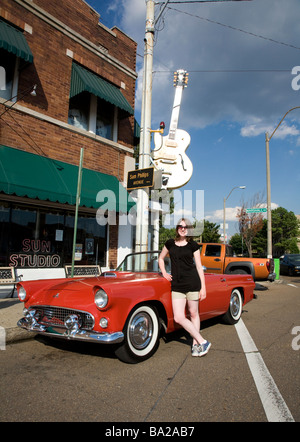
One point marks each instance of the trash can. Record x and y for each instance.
(277, 268)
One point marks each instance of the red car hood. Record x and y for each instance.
(78, 293)
(61, 293)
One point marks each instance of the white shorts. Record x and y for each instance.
(189, 296)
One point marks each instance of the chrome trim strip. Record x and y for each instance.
(81, 335)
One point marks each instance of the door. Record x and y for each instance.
(212, 258)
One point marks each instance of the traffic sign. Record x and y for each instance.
(256, 210)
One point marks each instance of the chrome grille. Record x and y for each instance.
(55, 316)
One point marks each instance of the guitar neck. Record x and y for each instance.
(175, 113)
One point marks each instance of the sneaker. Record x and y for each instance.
(204, 348)
(196, 350)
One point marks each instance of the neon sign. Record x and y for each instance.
(36, 253)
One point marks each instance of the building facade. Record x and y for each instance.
(67, 87)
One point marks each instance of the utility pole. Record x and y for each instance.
(269, 212)
(142, 221)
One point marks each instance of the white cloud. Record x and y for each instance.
(231, 213)
(255, 98)
(259, 128)
(217, 215)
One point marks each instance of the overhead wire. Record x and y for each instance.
(221, 71)
(161, 24)
(252, 34)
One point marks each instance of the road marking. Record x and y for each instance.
(275, 408)
(292, 285)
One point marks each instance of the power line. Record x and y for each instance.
(239, 71)
(234, 28)
(204, 1)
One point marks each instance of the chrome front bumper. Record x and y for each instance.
(79, 335)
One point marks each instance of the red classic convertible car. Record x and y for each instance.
(128, 307)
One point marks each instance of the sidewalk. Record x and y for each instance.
(11, 310)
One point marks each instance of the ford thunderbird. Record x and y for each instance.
(128, 307)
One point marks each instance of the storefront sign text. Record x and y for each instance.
(31, 256)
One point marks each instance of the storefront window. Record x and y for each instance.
(90, 240)
(7, 64)
(4, 232)
(79, 109)
(89, 112)
(35, 238)
(105, 118)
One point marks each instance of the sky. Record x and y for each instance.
(243, 60)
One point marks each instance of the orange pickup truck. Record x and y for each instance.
(218, 258)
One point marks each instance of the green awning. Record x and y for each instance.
(28, 175)
(13, 40)
(83, 80)
(137, 130)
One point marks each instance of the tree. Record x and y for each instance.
(250, 223)
(285, 229)
(165, 234)
(236, 242)
(260, 242)
(211, 232)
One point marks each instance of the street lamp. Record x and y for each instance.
(224, 209)
(269, 218)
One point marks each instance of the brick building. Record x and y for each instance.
(66, 82)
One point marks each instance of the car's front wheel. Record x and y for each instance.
(141, 335)
(235, 308)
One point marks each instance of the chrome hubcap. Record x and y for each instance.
(141, 330)
(235, 305)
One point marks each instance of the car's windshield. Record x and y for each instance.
(143, 262)
(295, 259)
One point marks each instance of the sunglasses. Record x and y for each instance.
(182, 227)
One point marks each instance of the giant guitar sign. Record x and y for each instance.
(169, 152)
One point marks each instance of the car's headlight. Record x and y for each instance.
(22, 293)
(101, 298)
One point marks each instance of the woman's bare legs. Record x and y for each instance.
(193, 307)
(191, 326)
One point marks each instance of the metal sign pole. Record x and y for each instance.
(76, 209)
(144, 157)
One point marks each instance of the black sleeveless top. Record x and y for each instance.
(185, 277)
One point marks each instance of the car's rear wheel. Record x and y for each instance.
(141, 335)
(235, 308)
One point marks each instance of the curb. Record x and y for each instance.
(15, 334)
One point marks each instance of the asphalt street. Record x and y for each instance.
(56, 381)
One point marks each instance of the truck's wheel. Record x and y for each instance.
(239, 272)
(141, 334)
(235, 308)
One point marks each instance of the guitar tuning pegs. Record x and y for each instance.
(186, 78)
(180, 78)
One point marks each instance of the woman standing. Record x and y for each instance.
(187, 283)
